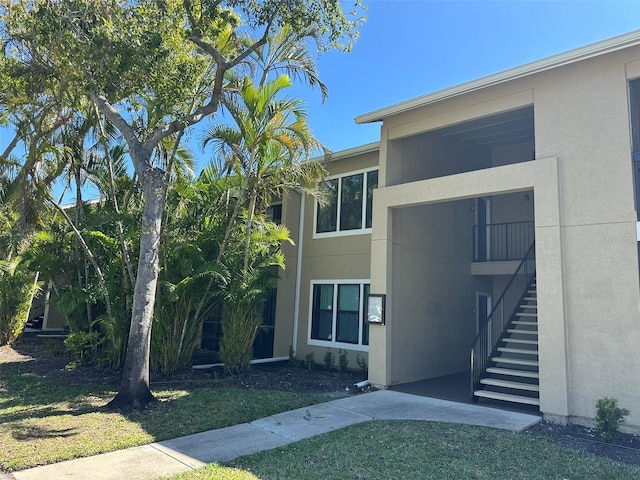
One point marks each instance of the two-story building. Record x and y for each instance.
(500, 220)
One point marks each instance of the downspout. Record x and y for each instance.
(296, 304)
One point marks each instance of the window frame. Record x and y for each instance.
(333, 343)
(363, 230)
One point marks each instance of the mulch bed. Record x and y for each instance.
(624, 448)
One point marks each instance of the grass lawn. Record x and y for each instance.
(418, 450)
(46, 419)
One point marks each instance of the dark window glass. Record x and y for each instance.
(327, 213)
(365, 325)
(372, 184)
(322, 315)
(347, 317)
(351, 202)
(274, 212)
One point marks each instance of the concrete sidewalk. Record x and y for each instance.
(152, 461)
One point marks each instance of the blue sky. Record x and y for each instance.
(409, 48)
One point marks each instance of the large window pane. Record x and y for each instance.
(372, 184)
(351, 202)
(328, 213)
(322, 315)
(365, 325)
(348, 313)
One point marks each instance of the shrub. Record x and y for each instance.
(292, 356)
(329, 360)
(83, 346)
(608, 417)
(310, 360)
(343, 361)
(362, 363)
(17, 289)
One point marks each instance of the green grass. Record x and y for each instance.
(418, 450)
(45, 420)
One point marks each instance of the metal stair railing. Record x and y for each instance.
(503, 309)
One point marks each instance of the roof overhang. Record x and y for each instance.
(350, 152)
(576, 55)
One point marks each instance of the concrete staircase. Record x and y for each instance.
(512, 374)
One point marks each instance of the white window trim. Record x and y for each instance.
(333, 343)
(344, 233)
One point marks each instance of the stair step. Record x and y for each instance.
(512, 373)
(530, 387)
(515, 361)
(520, 341)
(526, 314)
(506, 397)
(532, 291)
(524, 322)
(525, 332)
(529, 299)
(517, 350)
(526, 305)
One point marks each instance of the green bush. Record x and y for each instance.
(362, 363)
(343, 361)
(292, 356)
(240, 324)
(83, 346)
(17, 289)
(329, 360)
(608, 417)
(310, 360)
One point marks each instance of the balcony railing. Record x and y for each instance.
(502, 241)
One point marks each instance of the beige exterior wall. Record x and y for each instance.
(343, 257)
(585, 226)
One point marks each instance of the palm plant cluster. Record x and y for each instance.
(217, 245)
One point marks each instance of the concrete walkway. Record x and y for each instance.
(152, 461)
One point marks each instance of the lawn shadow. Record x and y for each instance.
(24, 433)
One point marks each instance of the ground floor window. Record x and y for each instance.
(336, 316)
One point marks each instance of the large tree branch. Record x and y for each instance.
(211, 107)
(140, 152)
(11, 146)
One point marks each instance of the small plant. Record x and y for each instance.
(292, 356)
(83, 346)
(343, 361)
(329, 360)
(608, 417)
(310, 360)
(362, 363)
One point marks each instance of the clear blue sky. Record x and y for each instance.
(409, 48)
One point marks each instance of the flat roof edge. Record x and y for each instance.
(575, 55)
(350, 152)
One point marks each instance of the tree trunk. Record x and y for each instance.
(134, 392)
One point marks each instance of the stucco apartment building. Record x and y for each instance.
(512, 198)
(499, 220)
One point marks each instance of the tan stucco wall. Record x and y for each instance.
(333, 258)
(587, 265)
(433, 317)
(283, 333)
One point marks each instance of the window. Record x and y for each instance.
(337, 314)
(349, 204)
(274, 213)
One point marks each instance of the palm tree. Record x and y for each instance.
(265, 147)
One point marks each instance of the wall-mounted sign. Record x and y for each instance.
(375, 308)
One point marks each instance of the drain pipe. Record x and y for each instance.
(296, 304)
